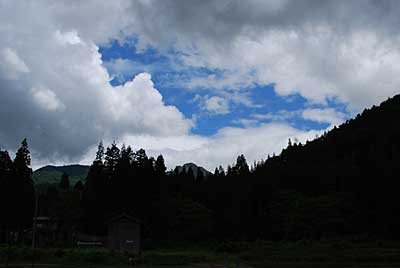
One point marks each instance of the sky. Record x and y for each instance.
(196, 81)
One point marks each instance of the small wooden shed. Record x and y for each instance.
(124, 234)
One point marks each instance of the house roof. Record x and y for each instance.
(41, 218)
(123, 216)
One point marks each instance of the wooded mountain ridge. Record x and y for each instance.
(344, 183)
(50, 174)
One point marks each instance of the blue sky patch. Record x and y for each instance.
(124, 61)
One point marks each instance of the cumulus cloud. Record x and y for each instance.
(59, 96)
(55, 87)
(321, 50)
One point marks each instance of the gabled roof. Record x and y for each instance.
(123, 216)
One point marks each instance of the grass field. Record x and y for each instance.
(259, 254)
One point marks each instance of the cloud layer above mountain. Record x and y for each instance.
(55, 90)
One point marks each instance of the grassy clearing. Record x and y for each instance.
(317, 254)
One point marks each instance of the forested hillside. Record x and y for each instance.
(345, 182)
(52, 174)
(342, 184)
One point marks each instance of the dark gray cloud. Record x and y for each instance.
(55, 91)
(320, 49)
(222, 21)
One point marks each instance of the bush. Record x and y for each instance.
(92, 256)
(18, 254)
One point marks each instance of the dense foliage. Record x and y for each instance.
(17, 195)
(342, 184)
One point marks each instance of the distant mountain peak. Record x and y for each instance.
(195, 168)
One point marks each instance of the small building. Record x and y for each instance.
(123, 234)
(51, 231)
(46, 231)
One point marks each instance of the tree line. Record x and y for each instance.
(344, 183)
(17, 193)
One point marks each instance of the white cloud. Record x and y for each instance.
(324, 115)
(220, 149)
(281, 115)
(11, 65)
(298, 62)
(65, 104)
(68, 38)
(120, 68)
(328, 115)
(223, 148)
(216, 105)
(138, 107)
(226, 80)
(46, 99)
(348, 51)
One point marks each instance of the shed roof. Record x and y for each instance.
(42, 218)
(123, 216)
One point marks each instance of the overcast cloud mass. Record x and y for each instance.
(55, 88)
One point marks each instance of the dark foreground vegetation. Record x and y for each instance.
(342, 185)
(50, 175)
(228, 254)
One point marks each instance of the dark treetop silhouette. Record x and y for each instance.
(344, 183)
